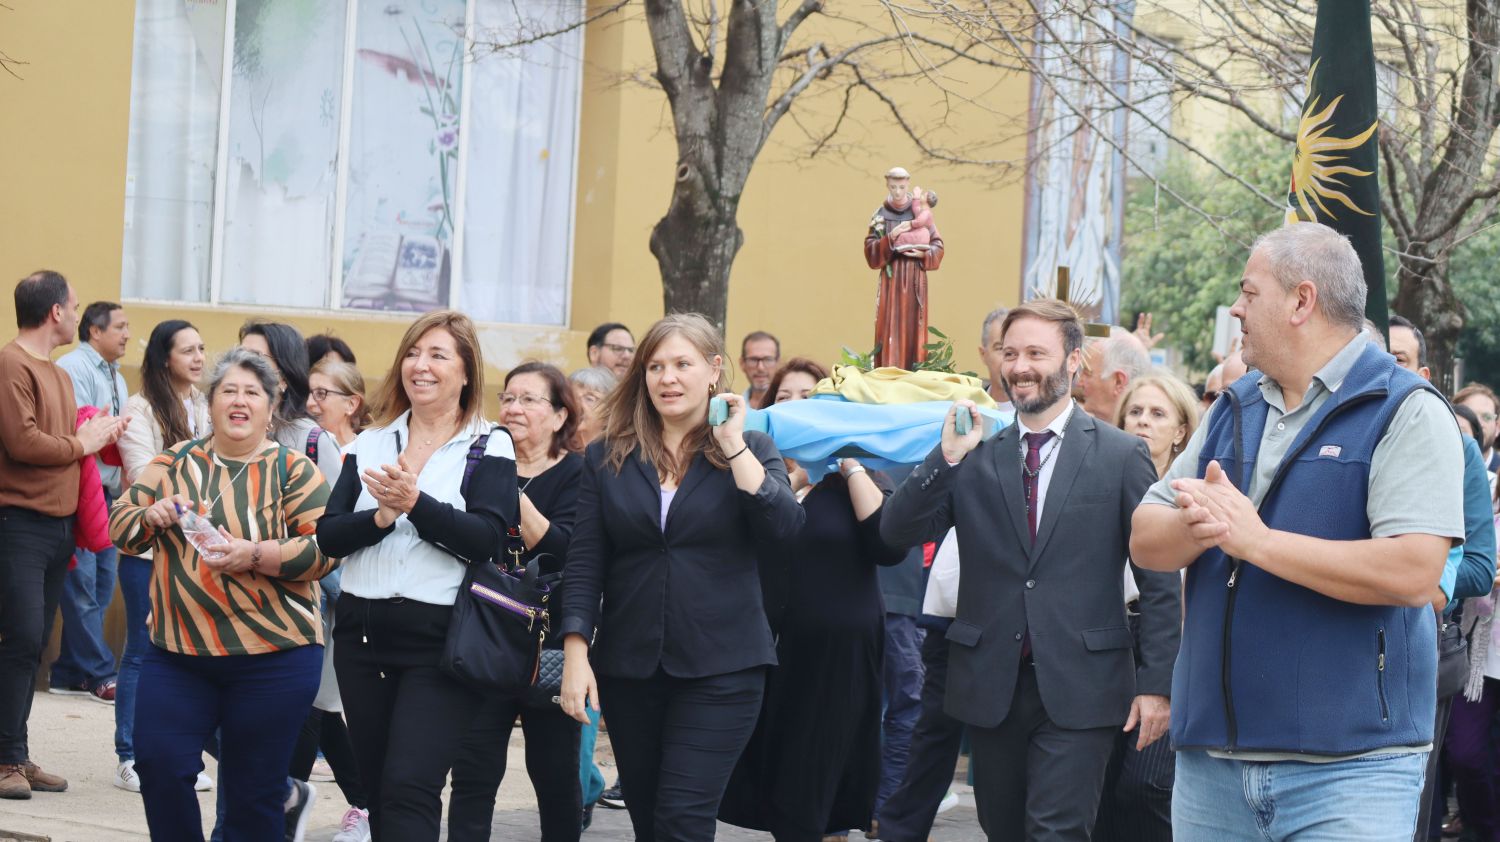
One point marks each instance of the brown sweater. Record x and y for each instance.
(39, 452)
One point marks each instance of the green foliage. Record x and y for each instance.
(939, 356)
(1178, 266)
(1473, 273)
(863, 362)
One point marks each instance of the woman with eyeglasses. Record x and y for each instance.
(592, 385)
(540, 410)
(336, 400)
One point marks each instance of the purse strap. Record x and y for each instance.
(471, 461)
(515, 547)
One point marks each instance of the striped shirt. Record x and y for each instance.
(195, 610)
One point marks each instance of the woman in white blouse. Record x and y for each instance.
(169, 409)
(403, 523)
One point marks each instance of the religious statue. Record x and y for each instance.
(904, 245)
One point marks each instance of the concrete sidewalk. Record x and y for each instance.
(73, 736)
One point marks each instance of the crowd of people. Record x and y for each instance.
(1261, 609)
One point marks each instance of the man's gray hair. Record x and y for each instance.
(1373, 334)
(995, 315)
(238, 357)
(1311, 251)
(600, 379)
(1122, 351)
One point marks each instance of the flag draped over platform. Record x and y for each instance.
(1335, 165)
(817, 431)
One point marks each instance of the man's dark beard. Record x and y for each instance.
(1054, 387)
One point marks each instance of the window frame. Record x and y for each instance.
(334, 288)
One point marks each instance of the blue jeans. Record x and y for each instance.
(590, 779)
(1372, 799)
(135, 589)
(257, 702)
(84, 659)
(903, 700)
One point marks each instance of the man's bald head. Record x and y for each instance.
(1109, 366)
(1234, 368)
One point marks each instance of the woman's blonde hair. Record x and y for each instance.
(346, 378)
(630, 418)
(390, 400)
(1179, 395)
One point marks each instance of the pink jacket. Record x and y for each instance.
(91, 531)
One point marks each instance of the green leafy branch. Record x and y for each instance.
(939, 356)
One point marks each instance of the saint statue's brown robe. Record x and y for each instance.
(901, 306)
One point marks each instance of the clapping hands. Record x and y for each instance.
(1218, 515)
(394, 488)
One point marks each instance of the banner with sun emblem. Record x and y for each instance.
(1334, 167)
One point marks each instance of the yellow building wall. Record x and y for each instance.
(800, 273)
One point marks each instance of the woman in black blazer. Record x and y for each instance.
(673, 516)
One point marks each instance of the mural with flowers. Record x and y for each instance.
(403, 155)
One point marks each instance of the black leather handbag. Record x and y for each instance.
(500, 623)
(1453, 660)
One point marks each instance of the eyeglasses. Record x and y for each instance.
(527, 401)
(1488, 416)
(760, 361)
(321, 395)
(627, 350)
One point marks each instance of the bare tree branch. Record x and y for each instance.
(499, 42)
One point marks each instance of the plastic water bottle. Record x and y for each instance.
(200, 532)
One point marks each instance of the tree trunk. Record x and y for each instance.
(720, 129)
(695, 245)
(1424, 295)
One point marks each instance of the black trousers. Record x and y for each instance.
(34, 553)
(676, 741)
(1034, 780)
(551, 762)
(1430, 812)
(1136, 805)
(1453, 674)
(326, 730)
(407, 718)
(908, 814)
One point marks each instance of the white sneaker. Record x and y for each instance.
(949, 802)
(300, 807)
(126, 778)
(355, 826)
(204, 783)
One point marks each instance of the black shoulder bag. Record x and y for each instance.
(500, 618)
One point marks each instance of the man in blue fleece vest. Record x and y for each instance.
(1313, 509)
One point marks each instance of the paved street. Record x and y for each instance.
(74, 737)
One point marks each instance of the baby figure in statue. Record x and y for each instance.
(919, 236)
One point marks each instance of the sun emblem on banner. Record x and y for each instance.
(1316, 169)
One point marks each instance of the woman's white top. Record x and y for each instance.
(941, 598)
(403, 564)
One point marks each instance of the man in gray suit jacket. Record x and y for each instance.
(1040, 662)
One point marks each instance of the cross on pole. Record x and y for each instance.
(1064, 283)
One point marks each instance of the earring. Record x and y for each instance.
(712, 388)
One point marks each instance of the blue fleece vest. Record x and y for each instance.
(1267, 665)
